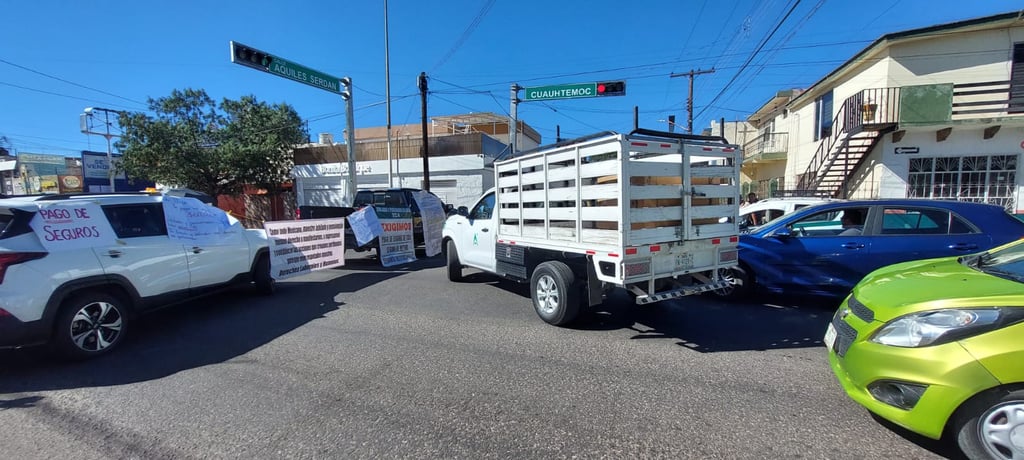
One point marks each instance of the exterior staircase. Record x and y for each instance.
(856, 129)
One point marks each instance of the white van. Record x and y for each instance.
(770, 209)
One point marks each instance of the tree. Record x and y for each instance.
(218, 149)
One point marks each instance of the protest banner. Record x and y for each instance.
(72, 226)
(191, 221)
(364, 224)
(433, 217)
(396, 242)
(298, 247)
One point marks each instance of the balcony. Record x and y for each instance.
(765, 148)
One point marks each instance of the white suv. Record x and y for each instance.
(770, 209)
(82, 300)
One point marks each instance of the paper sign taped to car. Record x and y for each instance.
(72, 226)
(365, 226)
(192, 221)
(396, 242)
(432, 212)
(298, 247)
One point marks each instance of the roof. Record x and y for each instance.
(887, 40)
(767, 111)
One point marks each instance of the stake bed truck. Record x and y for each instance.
(652, 212)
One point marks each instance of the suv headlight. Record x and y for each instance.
(936, 327)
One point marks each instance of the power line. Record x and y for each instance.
(465, 34)
(71, 82)
(752, 55)
(61, 95)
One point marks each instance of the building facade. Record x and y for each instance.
(936, 112)
(461, 149)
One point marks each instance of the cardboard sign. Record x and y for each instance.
(432, 213)
(298, 247)
(192, 221)
(396, 241)
(72, 226)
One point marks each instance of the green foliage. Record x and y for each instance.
(192, 142)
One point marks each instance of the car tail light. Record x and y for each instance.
(4, 313)
(12, 258)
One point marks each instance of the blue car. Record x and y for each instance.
(827, 248)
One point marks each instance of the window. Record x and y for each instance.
(1017, 80)
(484, 209)
(823, 116)
(136, 220)
(978, 178)
(833, 222)
(914, 221)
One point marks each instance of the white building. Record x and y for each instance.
(936, 112)
(461, 149)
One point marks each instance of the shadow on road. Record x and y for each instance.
(206, 331)
(708, 324)
(944, 447)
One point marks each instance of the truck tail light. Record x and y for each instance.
(12, 258)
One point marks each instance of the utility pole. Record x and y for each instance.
(689, 100)
(87, 128)
(387, 98)
(513, 123)
(422, 83)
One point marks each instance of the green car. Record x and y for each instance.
(937, 346)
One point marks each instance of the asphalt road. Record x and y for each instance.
(368, 362)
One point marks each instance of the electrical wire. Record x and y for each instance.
(71, 82)
(752, 55)
(60, 94)
(465, 34)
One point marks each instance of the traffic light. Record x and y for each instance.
(611, 88)
(250, 57)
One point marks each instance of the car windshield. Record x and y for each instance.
(1007, 262)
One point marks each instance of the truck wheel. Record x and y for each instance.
(89, 324)
(263, 281)
(554, 293)
(454, 267)
(741, 283)
(989, 426)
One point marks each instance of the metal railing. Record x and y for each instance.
(767, 146)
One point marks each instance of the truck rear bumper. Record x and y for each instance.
(643, 298)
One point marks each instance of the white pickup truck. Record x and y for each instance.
(651, 212)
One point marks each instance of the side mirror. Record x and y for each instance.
(783, 233)
(463, 211)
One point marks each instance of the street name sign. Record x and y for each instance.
(266, 62)
(571, 91)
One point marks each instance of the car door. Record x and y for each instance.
(920, 232)
(477, 244)
(218, 262)
(815, 256)
(143, 254)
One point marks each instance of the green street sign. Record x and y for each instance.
(266, 62)
(572, 91)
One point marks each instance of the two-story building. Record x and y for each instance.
(936, 112)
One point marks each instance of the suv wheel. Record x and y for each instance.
(89, 324)
(261, 277)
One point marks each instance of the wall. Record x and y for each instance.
(324, 184)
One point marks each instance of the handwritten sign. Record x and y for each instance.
(432, 212)
(72, 226)
(365, 226)
(396, 242)
(298, 247)
(192, 221)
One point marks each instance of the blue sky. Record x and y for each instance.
(58, 57)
